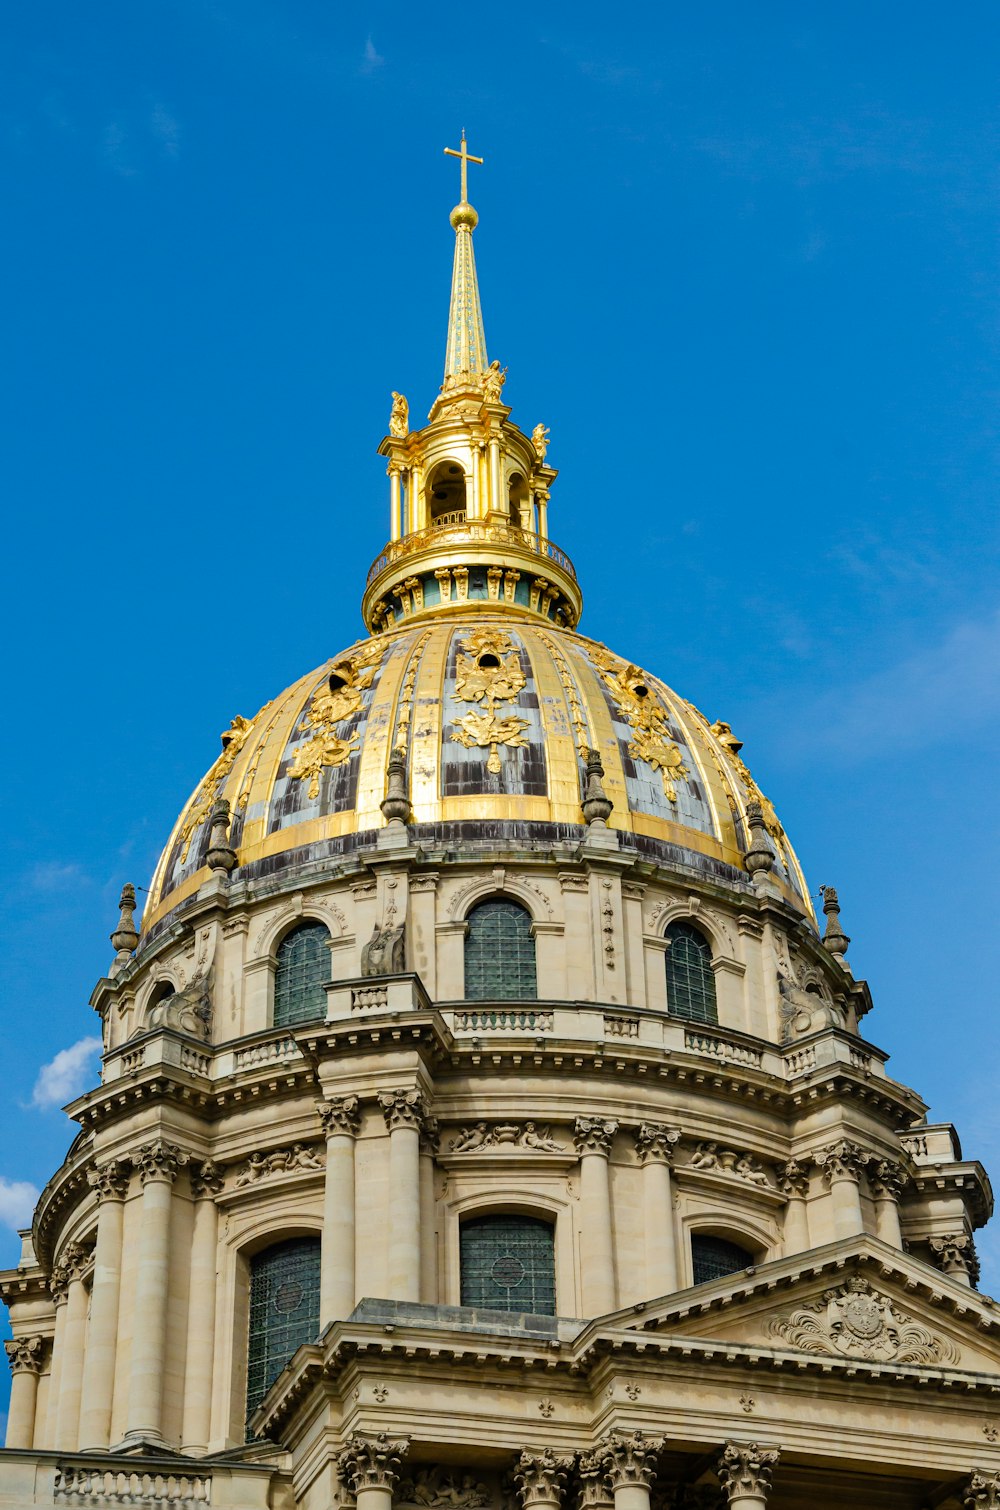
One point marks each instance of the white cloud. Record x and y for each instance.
(372, 58)
(17, 1202)
(65, 1076)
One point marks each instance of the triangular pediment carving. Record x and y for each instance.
(858, 1300)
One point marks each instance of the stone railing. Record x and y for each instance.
(266, 1052)
(621, 1027)
(729, 1050)
(503, 1020)
(83, 1485)
(937, 1143)
(460, 531)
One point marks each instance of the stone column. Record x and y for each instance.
(394, 510)
(793, 1182)
(24, 1354)
(886, 1181)
(340, 1117)
(428, 1233)
(630, 1464)
(157, 1163)
(109, 1183)
(74, 1346)
(540, 1478)
(404, 1114)
(956, 1256)
(842, 1164)
(58, 1282)
(593, 1138)
(745, 1474)
(655, 1149)
(199, 1372)
(367, 1465)
(983, 1491)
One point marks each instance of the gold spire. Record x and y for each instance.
(465, 355)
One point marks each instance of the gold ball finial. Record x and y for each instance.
(464, 215)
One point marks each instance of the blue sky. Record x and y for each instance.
(742, 259)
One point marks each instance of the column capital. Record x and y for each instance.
(340, 1115)
(655, 1144)
(206, 1179)
(159, 1160)
(886, 1179)
(109, 1181)
(595, 1491)
(983, 1491)
(629, 1457)
(955, 1253)
(541, 1475)
(842, 1160)
(402, 1108)
(72, 1262)
(371, 1462)
(793, 1180)
(745, 1470)
(594, 1135)
(24, 1354)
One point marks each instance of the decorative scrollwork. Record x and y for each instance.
(857, 1321)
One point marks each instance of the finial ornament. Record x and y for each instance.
(399, 418)
(596, 804)
(759, 858)
(834, 937)
(395, 804)
(126, 935)
(221, 855)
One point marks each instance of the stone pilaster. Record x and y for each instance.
(369, 1467)
(206, 1182)
(157, 1163)
(541, 1478)
(404, 1117)
(745, 1471)
(654, 1147)
(593, 1137)
(341, 1119)
(842, 1163)
(630, 1465)
(885, 1180)
(109, 1182)
(24, 1354)
(74, 1345)
(793, 1182)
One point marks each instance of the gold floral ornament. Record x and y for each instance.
(335, 702)
(488, 671)
(732, 746)
(233, 740)
(646, 717)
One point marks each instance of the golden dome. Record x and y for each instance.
(495, 712)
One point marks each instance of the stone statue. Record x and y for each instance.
(540, 440)
(469, 1138)
(186, 1011)
(539, 1138)
(385, 952)
(493, 382)
(399, 419)
(803, 1011)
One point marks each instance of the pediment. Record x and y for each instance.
(858, 1301)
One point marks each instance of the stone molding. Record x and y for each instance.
(340, 1116)
(654, 1144)
(594, 1135)
(541, 1476)
(983, 1492)
(109, 1181)
(629, 1457)
(24, 1354)
(842, 1160)
(372, 1462)
(745, 1470)
(402, 1108)
(159, 1160)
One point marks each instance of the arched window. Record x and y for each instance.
(714, 1257)
(284, 1311)
(500, 953)
(508, 1264)
(690, 977)
(303, 967)
(446, 494)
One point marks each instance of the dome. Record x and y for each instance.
(495, 712)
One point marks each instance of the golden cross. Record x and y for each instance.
(466, 157)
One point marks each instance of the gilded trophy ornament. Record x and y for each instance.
(648, 719)
(233, 740)
(489, 672)
(339, 700)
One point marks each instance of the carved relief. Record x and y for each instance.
(188, 1010)
(206, 1179)
(505, 1135)
(804, 1010)
(280, 1161)
(334, 702)
(843, 1160)
(488, 671)
(745, 1469)
(983, 1492)
(857, 1321)
(641, 709)
(440, 1488)
(886, 1179)
(109, 1181)
(728, 1161)
(159, 1160)
(793, 1180)
(956, 1254)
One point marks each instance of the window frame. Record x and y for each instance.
(515, 905)
(692, 929)
(301, 925)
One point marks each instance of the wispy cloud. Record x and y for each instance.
(372, 58)
(53, 875)
(166, 130)
(65, 1076)
(17, 1202)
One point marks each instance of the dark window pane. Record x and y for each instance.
(284, 1311)
(500, 954)
(508, 1264)
(690, 977)
(713, 1258)
(303, 967)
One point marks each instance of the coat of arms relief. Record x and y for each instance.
(858, 1321)
(488, 672)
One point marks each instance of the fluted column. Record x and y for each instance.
(74, 1344)
(630, 1464)
(842, 1164)
(196, 1422)
(368, 1466)
(24, 1354)
(886, 1181)
(337, 1291)
(654, 1147)
(404, 1112)
(745, 1473)
(793, 1182)
(955, 1255)
(158, 1163)
(109, 1183)
(593, 1138)
(982, 1491)
(540, 1478)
